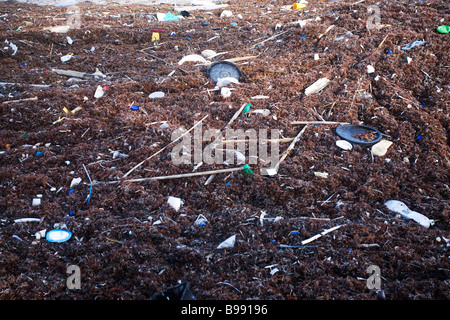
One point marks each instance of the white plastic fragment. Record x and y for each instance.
(208, 54)
(13, 47)
(222, 82)
(66, 58)
(175, 202)
(36, 202)
(192, 58)
(201, 220)
(156, 94)
(225, 92)
(273, 271)
(370, 69)
(40, 234)
(27, 220)
(99, 92)
(316, 56)
(69, 40)
(261, 217)
(226, 14)
(228, 243)
(321, 174)
(402, 209)
(264, 112)
(317, 86)
(380, 148)
(75, 182)
(344, 144)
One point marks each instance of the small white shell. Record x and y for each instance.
(344, 144)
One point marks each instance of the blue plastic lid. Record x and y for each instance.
(349, 132)
(58, 235)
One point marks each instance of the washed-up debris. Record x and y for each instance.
(344, 144)
(319, 174)
(13, 47)
(380, 149)
(27, 220)
(40, 234)
(402, 209)
(58, 29)
(413, 44)
(443, 29)
(75, 182)
(208, 54)
(167, 17)
(156, 95)
(36, 202)
(258, 97)
(66, 58)
(228, 243)
(58, 235)
(359, 134)
(297, 6)
(97, 75)
(317, 86)
(175, 293)
(175, 203)
(222, 82)
(226, 14)
(225, 92)
(192, 58)
(370, 69)
(317, 236)
(200, 221)
(224, 70)
(99, 92)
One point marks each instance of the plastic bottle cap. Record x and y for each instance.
(58, 235)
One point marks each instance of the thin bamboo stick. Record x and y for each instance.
(186, 175)
(317, 236)
(161, 150)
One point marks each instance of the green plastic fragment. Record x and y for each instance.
(443, 29)
(247, 169)
(247, 108)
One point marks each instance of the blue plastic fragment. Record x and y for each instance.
(413, 44)
(134, 108)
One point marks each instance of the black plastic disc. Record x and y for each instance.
(350, 133)
(223, 69)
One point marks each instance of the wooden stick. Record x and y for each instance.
(291, 146)
(270, 38)
(161, 150)
(273, 170)
(77, 74)
(20, 100)
(381, 43)
(236, 114)
(317, 236)
(186, 175)
(317, 122)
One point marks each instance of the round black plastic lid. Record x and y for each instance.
(350, 133)
(224, 69)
